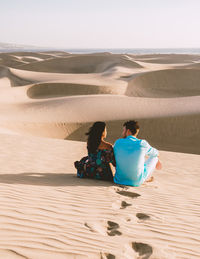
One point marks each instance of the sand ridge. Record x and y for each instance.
(165, 83)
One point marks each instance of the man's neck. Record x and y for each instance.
(135, 136)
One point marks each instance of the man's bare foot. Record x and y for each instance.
(150, 179)
(158, 165)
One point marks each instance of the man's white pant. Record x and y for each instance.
(150, 165)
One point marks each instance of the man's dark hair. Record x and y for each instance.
(133, 126)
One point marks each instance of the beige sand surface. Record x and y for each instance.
(47, 102)
(46, 212)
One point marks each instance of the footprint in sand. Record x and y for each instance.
(124, 204)
(142, 216)
(128, 194)
(89, 227)
(110, 229)
(120, 204)
(144, 250)
(107, 256)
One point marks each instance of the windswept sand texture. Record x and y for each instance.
(165, 83)
(80, 64)
(47, 102)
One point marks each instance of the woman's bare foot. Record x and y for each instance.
(158, 165)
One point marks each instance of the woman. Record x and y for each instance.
(100, 154)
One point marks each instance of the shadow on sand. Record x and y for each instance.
(50, 179)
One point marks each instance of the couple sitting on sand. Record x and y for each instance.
(128, 156)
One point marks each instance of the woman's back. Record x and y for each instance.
(100, 154)
(97, 165)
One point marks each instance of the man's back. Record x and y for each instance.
(130, 155)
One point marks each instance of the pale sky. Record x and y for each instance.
(101, 23)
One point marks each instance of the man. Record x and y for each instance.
(130, 153)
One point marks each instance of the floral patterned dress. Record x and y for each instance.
(96, 165)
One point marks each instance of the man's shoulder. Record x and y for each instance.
(143, 142)
(119, 140)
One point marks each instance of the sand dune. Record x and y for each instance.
(166, 133)
(167, 58)
(13, 79)
(91, 79)
(47, 103)
(40, 55)
(49, 90)
(193, 66)
(29, 59)
(81, 64)
(61, 103)
(124, 107)
(55, 115)
(10, 61)
(165, 83)
(17, 59)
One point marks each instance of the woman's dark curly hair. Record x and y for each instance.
(94, 136)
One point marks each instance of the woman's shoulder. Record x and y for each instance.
(105, 145)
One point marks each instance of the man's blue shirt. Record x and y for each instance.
(130, 155)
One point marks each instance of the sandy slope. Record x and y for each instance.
(59, 117)
(165, 83)
(58, 95)
(46, 212)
